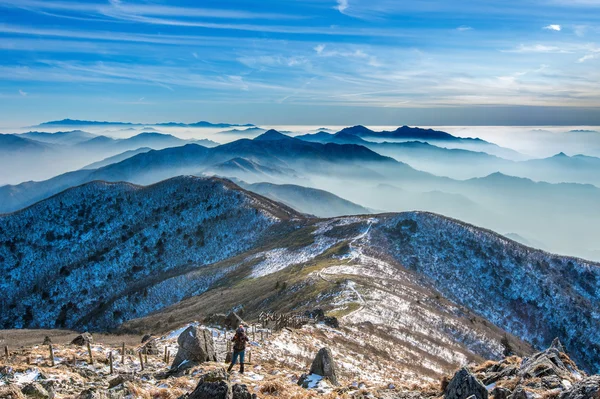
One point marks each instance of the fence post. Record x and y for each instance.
(89, 347)
(146, 355)
(165, 354)
(51, 355)
(110, 359)
(6, 352)
(168, 356)
(141, 360)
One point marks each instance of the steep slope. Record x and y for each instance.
(79, 253)
(10, 143)
(307, 200)
(250, 171)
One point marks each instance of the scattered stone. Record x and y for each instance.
(212, 390)
(83, 339)
(241, 391)
(587, 388)
(319, 316)
(93, 393)
(324, 366)
(35, 390)
(195, 345)
(120, 379)
(463, 385)
(520, 393)
(47, 340)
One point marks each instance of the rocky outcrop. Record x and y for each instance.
(151, 347)
(319, 316)
(230, 321)
(464, 385)
(241, 391)
(83, 339)
(10, 392)
(324, 365)
(212, 390)
(196, 346)
(587, 388)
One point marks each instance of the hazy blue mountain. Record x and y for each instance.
(436, 137)
(67, 138)
(248, 131)
(117, 158)
(75, 122)
(307, 200)
(250, 171)
(10, 143)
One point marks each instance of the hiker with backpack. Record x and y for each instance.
(239, 348)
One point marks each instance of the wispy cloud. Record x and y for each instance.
(22, 93)
(464, 28)
(342, 5)
(556, 28)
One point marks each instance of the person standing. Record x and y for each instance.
(239, 348)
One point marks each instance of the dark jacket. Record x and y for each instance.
(239, 341)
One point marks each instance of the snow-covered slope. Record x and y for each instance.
(75, 258)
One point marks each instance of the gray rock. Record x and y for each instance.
(241, 391)
(556, 344)
(196, 345)
(92, 393)
(83, 339)
(10, 392)
(324, 365)
(520, 393)
(146, 338)
(212, 390)
(463, 385)
(151, 347)
(120, 379)
(543, 364)
(35, 390)
(588, 388)
(215, 375)
(501, 393)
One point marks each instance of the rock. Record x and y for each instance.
(542, 364)
(195, 345)
(10, 392)
(463, 385)
(212, 390)
(216, 375)
(501, 393)
(319, 316)
(556, 344)
(120, 379)
(92, 393)
(324, 366)
(520, 393)
(146, 338)
(83, 339)
(47, 340)
(35, 390)
(233, 321)
(241, 391)
(151, 347)
(587, 388)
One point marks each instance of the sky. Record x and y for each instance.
(342, 62)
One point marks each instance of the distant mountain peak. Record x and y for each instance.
(271, 135)
(356, 130)
(561, 155)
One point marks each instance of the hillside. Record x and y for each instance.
(189, 247)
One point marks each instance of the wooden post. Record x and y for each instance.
(6, 352)
(254, 333)
(249, 356)
(146, 355)
(261, 335)
(141, 360)
(165, 355)
(110, 359)
(168, 356)
(51, 355)
(90, 353)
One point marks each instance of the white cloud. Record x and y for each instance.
(21, 92)
(464, 28)
(538, 48)
(557, 28)
(319, 48)
(342, 5)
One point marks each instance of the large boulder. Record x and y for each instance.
(212, 390)
(546, 363)
(323, 365)
(150, 347)
(83, 339)
(10, 392)
(196, 345)
(464, 385)
(588, 388)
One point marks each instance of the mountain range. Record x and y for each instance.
(362, 176)
(203, 124)
(115, 255)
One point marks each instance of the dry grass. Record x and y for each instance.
(510, 383)
(485, 366)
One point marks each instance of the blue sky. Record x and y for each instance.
(301, 62)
